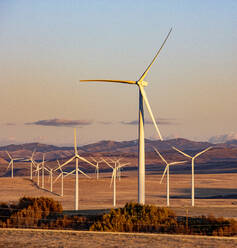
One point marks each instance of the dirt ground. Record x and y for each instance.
(38, 238)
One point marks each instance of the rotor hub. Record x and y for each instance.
(142, 83)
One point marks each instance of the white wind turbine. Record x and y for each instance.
(60, 175)
(97, 168)
(42, 169)
(76, 157)
(115, 164)
(167, 171)
(142, 97)
(11, 163)
(114, 176)
(192, 158)
(32, 164)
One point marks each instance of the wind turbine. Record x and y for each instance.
(60, 175)
(114, 176)
(142, 97)
(115, 164)
(76, 157)
(192, 158)
(31, 159)
(167, 171)
(96, 166)
(11, 163)
(42, 168)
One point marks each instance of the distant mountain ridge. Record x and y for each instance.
(108, 147)
(114, 146)
(111, 146)
(222, 157)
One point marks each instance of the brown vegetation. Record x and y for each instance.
(46, 213)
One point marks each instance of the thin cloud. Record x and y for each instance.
(222, 138)
(60, 123)
(9, 124)
(105, 122)
(161, 121)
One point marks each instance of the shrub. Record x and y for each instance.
(134, 217)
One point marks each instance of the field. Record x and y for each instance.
(216, 195)
(44, 238)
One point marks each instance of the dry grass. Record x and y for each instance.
(216, 193)
(44, 238)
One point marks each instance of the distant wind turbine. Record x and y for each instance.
(62, 173)
(192, 158)
(11, 163)
(32, 164)
(97, 168)
(116, 164)
(142, 97)
(114, 176)
(167, 171)
(77, 157)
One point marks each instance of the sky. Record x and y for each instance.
(46, 47)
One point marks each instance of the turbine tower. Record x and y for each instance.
(76, 157)
(192, 158)
(167, 171)
(50, 171)
(142, 97)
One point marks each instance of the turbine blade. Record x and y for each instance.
(69, 173)
(122, 165)
(110, 81)
(179, 162)
(46, 168)
(93, 159)
(33, 153)
(75, 141)
(186, 155)
(164, 173)
(9, 165)
(85, 160)
(67, 162)
(160, 155)
(83, 173)
(56, 179)
(148, 68)
(202, 152)
(149, 110)
(107, 163)
(9, 155)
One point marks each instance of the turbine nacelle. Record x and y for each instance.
(142, 83)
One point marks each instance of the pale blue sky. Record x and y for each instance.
(47, 46)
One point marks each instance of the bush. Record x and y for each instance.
(29, 212)
(147, 218)
(137, 218)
